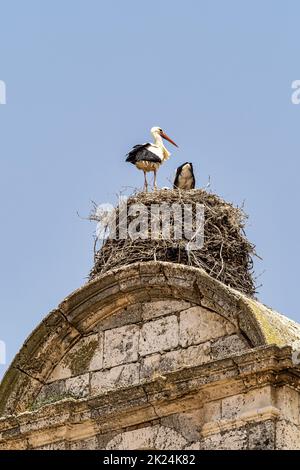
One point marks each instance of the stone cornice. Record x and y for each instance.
(185, 389)
(78, 314)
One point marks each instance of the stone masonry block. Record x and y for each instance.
(288, 402)
(51, 393)
(262, 436)
(159, 364)
(62, 445)
(117, 377)
(229, 440)
(228, 346)
(128, 315)
(78, 359)
(287, 436)
(253, 401)
(159, 335)
(188, 424)
(160, 308)
(169, 439)
(258, 398)
(198, 325)
(232, 406)
(77, 387)
(96, 361)
(149, 437)
(121, 345)
(212, 411)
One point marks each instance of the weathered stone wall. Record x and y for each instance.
(138, 344)
(156, 357)
(243, 402)
(265, 417)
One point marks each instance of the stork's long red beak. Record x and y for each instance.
(165, 136)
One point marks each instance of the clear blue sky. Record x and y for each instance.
(86, 80)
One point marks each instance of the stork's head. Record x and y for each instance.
(158, 131)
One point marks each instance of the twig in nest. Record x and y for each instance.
(226, 254)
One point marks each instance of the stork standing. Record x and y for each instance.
(148, 157)
(184, 178)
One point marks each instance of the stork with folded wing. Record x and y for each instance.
(184, 178)
(148, 157)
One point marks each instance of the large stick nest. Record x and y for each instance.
(226, 254)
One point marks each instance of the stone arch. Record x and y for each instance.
(99, 299)
(150, 437)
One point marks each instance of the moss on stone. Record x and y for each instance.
(50, 399)
(270, 329)
(79, 359)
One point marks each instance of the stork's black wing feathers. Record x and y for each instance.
(141, 153)
(193, 177)
(175, 184)
(178, 171)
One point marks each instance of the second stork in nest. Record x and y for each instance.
(148, 157)
(184, 178)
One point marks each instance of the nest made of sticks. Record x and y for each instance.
(226, 255)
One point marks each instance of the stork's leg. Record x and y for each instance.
(145, 182)
(154, 181)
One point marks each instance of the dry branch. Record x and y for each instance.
(227, 255)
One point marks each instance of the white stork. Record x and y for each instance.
(149, 156)
(184, 178)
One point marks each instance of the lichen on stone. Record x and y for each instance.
(78, 359)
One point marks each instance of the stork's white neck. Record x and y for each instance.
(159, 142)
(158, 139)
